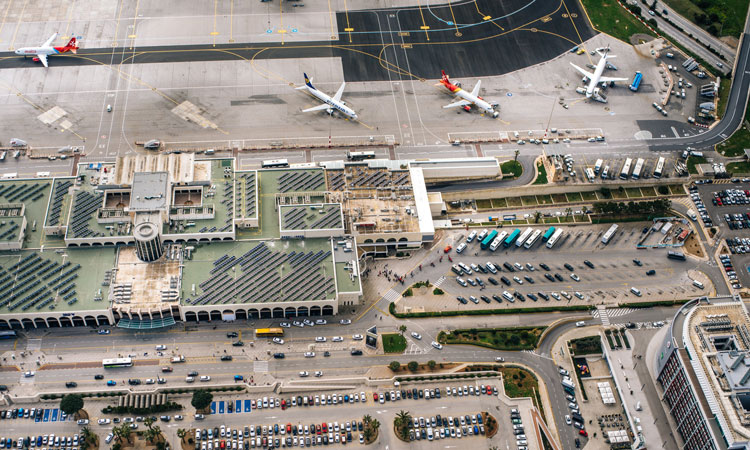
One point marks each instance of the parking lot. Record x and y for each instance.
(579, 269)
(571, 168)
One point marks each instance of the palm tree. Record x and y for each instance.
(568, 211)
(537, 216)
(181, 433)
(152, 434)
(403, 418)
(402, 329)
(367, 419)
(374, 424)
(122, 432)
(148, 421)
(515, 154)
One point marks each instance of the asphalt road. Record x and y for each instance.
(731, 121)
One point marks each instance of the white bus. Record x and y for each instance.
(525, 235)
(625, 173)
(590, 174)
(532, 240)
(598, 166)
(659, 167)
(498, 240)
(117, 362)
(609, 234)
(553, 240)
(275, 163)
(359, 156)
(638, 168)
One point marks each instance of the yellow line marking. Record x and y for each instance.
(330, 19)
(281, 20)
(348, 27)
(117, 26)
(135, 18)
(231, 21)
(214, 33)
(424, 24)
(458, 33)
(486, 17)
(67, 26)
(18, 24)
(5, 16)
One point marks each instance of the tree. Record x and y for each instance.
(122, 432)
(201, 399)
(402, 329)
(537, 216)
(431, 364)
(149, 421)
(413, 366)
(394, 366)
(515, 154)
(152, 434)
(181, 433)
(71, 404)
(568, 211)
(402, 422)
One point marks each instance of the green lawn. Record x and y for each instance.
(541, 177)
(648, 191)
(529, 200)
(633, 192)
(739, 141)
(520, 338)
(544, 199)
(739, 167)
(724, 86)
(566, 219)
(581, 218)
(393, 343)
(512, 168)
(519, 383)
(559, 198)
(589, 196)
(574, 197)
(514, 201)
(484, 204)
(586, 345)
(692, 161)
(677, 189)
(499, 203)
(616, 193)
(609, 17)
(729, 15)
(551, 220)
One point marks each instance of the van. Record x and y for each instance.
(461, 281)
(471, 236)
(698, 284)
(635, 291)
(457, 270)
(210, 151)
(581, 324)
(189, 379)
(461, 247)
(507, 296)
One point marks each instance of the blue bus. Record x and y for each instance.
(509, 240)
(636, 81)
(548, 234)
(8, 334)
(488, 240)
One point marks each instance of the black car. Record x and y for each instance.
(549, 277)
(508, 267)
(98, 376)
(492, 280)
(532, 296)
(326, 353)
(462, 300)
(238, 344)
(589, 263)
(519, 296)
(279, 355)
(651, 272)
(71, 384)
(356, 352)
(193, 373)
(226, 358)
(529, 279)
(637, 262)
(569, 267)
(543, 295)
(497, 298)
(544, 266)
(558, 276)
(486, 299)
(134, 381)
(232, 334)
(505, 281)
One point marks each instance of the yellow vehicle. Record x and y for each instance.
(580, 51)
(269, 332)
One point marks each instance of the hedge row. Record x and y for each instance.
(169, 406)
(486, 312)
(448, 377)
(654, 304)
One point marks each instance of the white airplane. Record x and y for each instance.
(592, 91)
(41, 53)
(330, 104)
(468, 98)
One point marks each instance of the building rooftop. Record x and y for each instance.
(311, 217)
(33, 194)
(150, 191)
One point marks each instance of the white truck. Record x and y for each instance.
(178, 359)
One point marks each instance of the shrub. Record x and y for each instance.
(408, 293)
(438, 291)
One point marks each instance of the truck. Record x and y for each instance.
(178, 359)
(636, 81)
(692, 215)
(598, 166)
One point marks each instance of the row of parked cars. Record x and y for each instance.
(278, 435)
(729, 197)
(428, 393)
(26, 413)
(517, 424)
(738, 245)
(41, 441)
(726, 262)
(700, 206)
(511, 297)
(438, 427)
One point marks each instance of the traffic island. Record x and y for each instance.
(490, 424)
(371, 428)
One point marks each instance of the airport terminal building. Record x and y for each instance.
(154, 239)
(703, 373)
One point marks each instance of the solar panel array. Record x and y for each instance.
(35, 281)
(296, 219)
(336, 180)
(9, 233)
(367, 178)
(260, 279)
(85, 205)
(58, 194)
(246, 203)
(301, 180)
(228, 201)
(22, 192)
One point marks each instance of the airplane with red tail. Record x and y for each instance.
(468, 98)
(41, 53)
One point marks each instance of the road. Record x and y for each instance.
(733, 117)
(697, 32)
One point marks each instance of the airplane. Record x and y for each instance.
(592, 91)
(41, 53)
(468, 98)
(331, 104)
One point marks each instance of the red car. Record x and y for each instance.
(583, 433)
(325, 427)
(448, 249)
(375, 396)
(289, 428)
(283, 405)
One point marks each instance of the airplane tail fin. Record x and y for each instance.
(445, 77)
(308, 81)
(71, 46)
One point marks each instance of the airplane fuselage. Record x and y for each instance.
(36, 51)
(478, 102)
(333, 104)
(593, 82)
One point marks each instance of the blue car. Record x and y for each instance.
(39, 441)
(476, 430)
(479, 418)
(111, 383)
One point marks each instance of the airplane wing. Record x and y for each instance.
(608, 79)
(460, 103)
(340, 92)
(585, 73)
(49, 41)
(317, 108)
(475, 91)
(43, 59)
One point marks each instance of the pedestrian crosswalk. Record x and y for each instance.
(33, 344)
(260, 366)
(391, 295)
(605, 314)
(440, 281)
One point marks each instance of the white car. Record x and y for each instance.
(103, 421)
(575, 277)
(150, 381)
(109, 438)
(416, 335)
(161, 347)
(103, 331)
(437, 345)
(304, 374)
(297, 323)
(530, 267)
(319, 373)
(555, 295)
(578, 294)
(567, 420)
(29, 374)
(277, 341)
(320, 339)
(345, 321)
(337, 339)
(205, 378)
(518, 266)
(83, 421)
(357, 337)
(285, 325)
(321, 322)
(309, 354)
(518, 280)
(500, 359)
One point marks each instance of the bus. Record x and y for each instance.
(2, 156)
(274, 163)
(638, 168)
(532, 240)
(609, 234)
(636, 81)
(117, 362)
(512, 237)
(676, 255)
(590, 174)
(626, 169)
(359, 156)
(525, 235)
(598, 166)
(659, 167)
(498, 240)
(554, 238)
(548, 234)
(9, 334)
(488, 240)
(269, 332)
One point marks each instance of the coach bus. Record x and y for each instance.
(548, 234)
(512, 237)
(525, 235)
(117, 362)
(625, 173)
(532, 240)
(676, 255)
(488, 240)
(359, 156)
(609, 234)
(659, 167)
(10, 334)
(269, 332)
(271, 163)
(554, 238)
(638, 168)
(498, 240)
